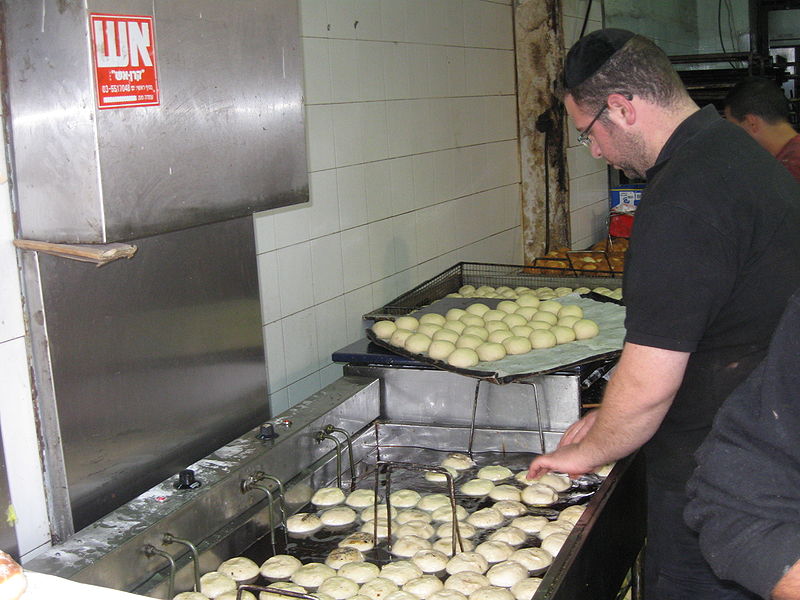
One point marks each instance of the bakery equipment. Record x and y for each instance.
(229, 512)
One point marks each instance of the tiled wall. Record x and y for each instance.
(588, 177)
(413, 161)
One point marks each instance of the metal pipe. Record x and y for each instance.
(150, 551)
(538, 414)
(168, 538)
(281, 501)
(472, 421)
(330, 429)
(321, 435)
(251, 483)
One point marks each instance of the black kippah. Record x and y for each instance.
(591, 52)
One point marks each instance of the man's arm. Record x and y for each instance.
(636, 400)
(788, 588)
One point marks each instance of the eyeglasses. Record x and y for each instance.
(583, 136)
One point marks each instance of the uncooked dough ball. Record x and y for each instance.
(466, 581)
(464, 358)
(505, 492)
(444, 514)
(360, 540)
(401, 595)
(466, 289)
(430, 502)
(477, 487)
(558, 482)
(570, 310)
(535, 325)
(494, 315)
(407, 322)
(240, 569)
(458, 461)
(214, 584)
(477, 309)
(513, 536)
(555, 527)
(436, 477)
(517, 345)
(378, 588)
(339, 588)
(189, 596)
(434, 318)
(545, 316)
(494, 473)
(467, 561)
(527, 312)
(445, 530)
(382, 528)
(538, 494)
(312, 575)
(368, 514)
(454, 314)
(534, 559)
(495, 552)
(513, 320)
(456, 326)
(430, 561)
(530, 524)
(522, 330)
(468, 341)
(542, 338)
(563, 335)
(408, 546)
(280, 566)
(582, 290)
(480, 332)
(525, 589)
(360, 498)
(506, 574)
(417, 343)
(490, 351)
(327, 496)
(497, 337)
(508, 307)
(447, 595)
(492, 326)
(445, 335)
(441, 349)
(400, 572)
(585, 329)
(562, 291)
(571, 514)
(510, 508)
(423, 586)
(445, 546)
(384, 329)
(472, 320)
(551, 306)
(553, 543)
(420, 529)
(303, 523)
(359, 572)
(404, 498)
(429, 329)
(485, 518)
(399, 337)
(567, 321)
(528, 299)
(281, 585)
(338, 557)
(338, 516)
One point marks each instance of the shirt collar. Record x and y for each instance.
(691, 126)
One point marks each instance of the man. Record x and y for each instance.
(759, 107)
(745, 492)
(713, 259)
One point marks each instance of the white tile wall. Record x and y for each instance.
(413, 166)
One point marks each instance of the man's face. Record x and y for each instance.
(621, 148)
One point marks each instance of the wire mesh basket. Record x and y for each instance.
(491, 274)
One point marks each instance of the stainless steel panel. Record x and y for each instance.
(439, 397)
(156, 361)
(227, 140)
(109, 552)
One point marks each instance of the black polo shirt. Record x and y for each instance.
(714, 257)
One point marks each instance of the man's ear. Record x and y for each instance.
(752, 123)
(619, 104)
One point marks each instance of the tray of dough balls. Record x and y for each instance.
(511, 529)
(504, 340)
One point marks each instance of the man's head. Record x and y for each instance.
(630, 86)
(759, 107)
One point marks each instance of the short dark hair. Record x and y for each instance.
(639, 68)
(758, 96)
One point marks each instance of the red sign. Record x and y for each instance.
(124, 52)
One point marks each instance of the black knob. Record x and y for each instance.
(187, 481)
(267, 432)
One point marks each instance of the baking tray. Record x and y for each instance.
(607, 312)
(477, 274)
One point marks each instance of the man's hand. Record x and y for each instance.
(567, 459)
(578, 430)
